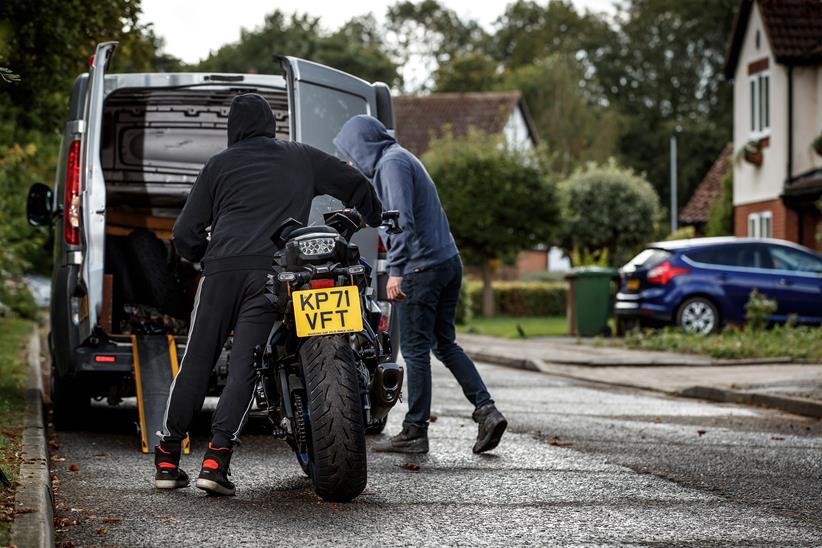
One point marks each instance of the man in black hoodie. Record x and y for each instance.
(242, 194)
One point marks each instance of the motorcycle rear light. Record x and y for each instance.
(664, 273)
(383, 326)
(105, 359)
(286, 277)
(322, 284)
(380, 245)
(71, 205)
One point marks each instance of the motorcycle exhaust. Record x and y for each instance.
(385, 389)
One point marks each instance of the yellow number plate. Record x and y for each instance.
(327, 311)
(632, 285)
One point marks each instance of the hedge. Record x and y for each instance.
(514, 299)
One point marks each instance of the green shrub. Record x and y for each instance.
(16, 299)
(464, 305)
(684, 233)
(721, 214)
(521, 298)
(757, 311)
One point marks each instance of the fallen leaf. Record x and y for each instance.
(700, 432)
(556, 442)
(102, 531)
(25, 510)
(110, 519)
(433, 418)
(55, 458)
(53, 445)
(65, 522)
(410, 466)
(777, 438)
(74, 468)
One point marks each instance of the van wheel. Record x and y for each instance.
(698, 316)
(70, 402)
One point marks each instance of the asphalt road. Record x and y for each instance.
(580, 465)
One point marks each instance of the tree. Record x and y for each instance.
(721, 214)
(498, 202)
(355, 48)
(473, 71)
(607, 209)
(429, 35)
(575, 129)
(48, 42)
(662, 69)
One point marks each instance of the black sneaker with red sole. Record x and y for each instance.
(167, 465)
(213, 478)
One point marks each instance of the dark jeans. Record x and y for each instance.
(427, 319)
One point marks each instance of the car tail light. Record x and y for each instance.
(71, 206)
(664, 273)
(322, 284)
(385, 316)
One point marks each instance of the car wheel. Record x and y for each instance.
(698, 316)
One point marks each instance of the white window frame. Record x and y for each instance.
(760, 224)
(759, 110)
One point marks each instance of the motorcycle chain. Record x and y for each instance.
(299, 425)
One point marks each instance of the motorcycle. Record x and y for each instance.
(325, 376)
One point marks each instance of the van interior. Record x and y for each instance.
(154, 142)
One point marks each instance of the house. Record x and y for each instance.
(775, 61)
(697, 210)
(418, 119)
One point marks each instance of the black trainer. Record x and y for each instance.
(167, 464)
(412, 439)
(214, 473)
(492, 426)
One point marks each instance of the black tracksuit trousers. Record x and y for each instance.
(225, 301)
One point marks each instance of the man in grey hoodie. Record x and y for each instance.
(425, 274)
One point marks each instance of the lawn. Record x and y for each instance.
(14, 335)
(504, 326)
(799, 343)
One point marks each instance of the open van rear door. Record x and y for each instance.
(321, 99)
(93, 189)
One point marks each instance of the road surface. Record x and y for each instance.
(581, 465)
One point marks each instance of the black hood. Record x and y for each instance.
(250, 116)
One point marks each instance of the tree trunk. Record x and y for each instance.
(487, 290)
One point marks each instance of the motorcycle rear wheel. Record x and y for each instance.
(336, 426)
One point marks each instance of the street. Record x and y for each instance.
(580, 465)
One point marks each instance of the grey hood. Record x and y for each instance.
(363, 139)
(250, 116)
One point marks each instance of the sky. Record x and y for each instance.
(192, 29)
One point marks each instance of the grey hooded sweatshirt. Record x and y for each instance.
(245, 192)
(403, 184)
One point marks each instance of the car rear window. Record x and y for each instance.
(647, 258)
(741, 255)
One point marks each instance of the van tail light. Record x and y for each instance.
(322, 284)
(664, 273)
(71, 206)
(380, 245)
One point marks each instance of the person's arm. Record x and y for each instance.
(336, 178)
(189, 232)
(397, 182)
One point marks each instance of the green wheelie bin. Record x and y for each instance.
(589, 300)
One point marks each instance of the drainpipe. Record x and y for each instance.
(790, 124)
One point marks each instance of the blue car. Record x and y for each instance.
(702, 283)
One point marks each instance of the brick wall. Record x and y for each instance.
(784, 223)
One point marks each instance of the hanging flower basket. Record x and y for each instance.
(752, 153)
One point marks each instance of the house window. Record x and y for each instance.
(760, 224)
(759, 84)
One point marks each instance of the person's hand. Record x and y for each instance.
(394, 288)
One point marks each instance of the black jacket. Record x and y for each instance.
(246, 192)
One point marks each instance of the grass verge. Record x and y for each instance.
(506, 326)
(14, 334)
(797, 342)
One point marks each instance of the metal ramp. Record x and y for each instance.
(155, 366)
